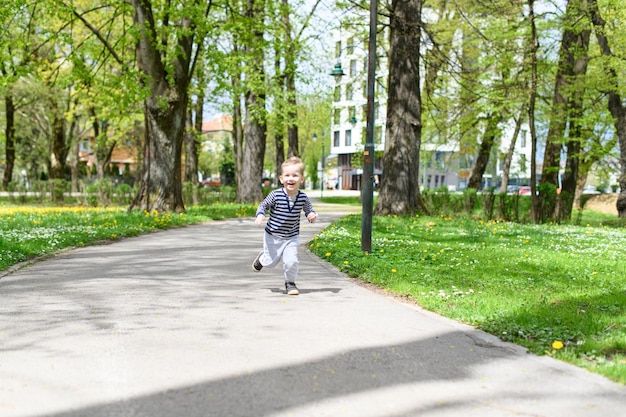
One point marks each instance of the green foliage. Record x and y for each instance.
(528, 284)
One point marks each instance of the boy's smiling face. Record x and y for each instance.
(291, 178)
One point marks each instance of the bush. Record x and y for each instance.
(123, 194)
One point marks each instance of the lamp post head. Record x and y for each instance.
(337, 72)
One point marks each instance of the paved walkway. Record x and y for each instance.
(175, 324)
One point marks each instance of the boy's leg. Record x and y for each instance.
(291, 266)
(256, 264)
(270, 255)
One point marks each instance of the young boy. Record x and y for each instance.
(280, 240)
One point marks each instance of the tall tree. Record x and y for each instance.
(399, 193)
(564, 89)
(531, 57)
(565, 199)
(16, 43)
(615, 104)
(166, 36)
(166, 56)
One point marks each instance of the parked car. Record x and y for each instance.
(590, 189)
(512, 189)
(525, 190)
(209, 183)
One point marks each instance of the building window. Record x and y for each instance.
(523, 141)
(352, 114)
(336, 137)
(353, 68)
(349, 92)
(337, 93)
(378, 135)
(348, 138)
(338, 49)
(380, 85)
(350, 46)
(523, 163)
(336, 116)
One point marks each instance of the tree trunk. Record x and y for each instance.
(290, 83)
(249, 190)
(489, 138)
(103, 150)
(279, 142)
(237, 138)
(506, 168)
(532, 98)
(280, 122)
(191, 165)
(59, 147)
(615, 104)
(191, 156)
(9, 132)
(255, 131)
(399, 193)
(161, 184)
(563, 90)
(565, 200)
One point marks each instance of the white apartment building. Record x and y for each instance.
(349, 110)
(441, 165)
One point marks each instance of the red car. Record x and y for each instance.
(525, 190)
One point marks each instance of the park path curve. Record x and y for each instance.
(175, 323)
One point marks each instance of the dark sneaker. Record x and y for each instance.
(291, 289)
(256, 265)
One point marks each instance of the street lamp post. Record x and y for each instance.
(322, 184)
(368, 151)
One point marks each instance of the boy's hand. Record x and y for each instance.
(259, 219)
(312, 217)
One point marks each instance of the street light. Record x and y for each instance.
(368, 151)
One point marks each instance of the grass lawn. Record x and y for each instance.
(559, 290)
(27, 232)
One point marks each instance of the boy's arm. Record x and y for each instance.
(311, 215)
(263, 207)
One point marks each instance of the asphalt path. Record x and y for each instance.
(175, 323)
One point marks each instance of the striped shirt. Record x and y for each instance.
(284, 220)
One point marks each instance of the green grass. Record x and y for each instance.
(528, 284)
(27, 232)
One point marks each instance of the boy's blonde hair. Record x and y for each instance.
(294, 160)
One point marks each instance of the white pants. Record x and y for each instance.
(275, 249)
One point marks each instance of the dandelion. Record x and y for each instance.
(346, 262)
(327, 254)
(393, 270)
(557, 344)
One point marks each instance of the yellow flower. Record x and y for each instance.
(557, 344)
(327, 254)
(346, 262)
(394, 270)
